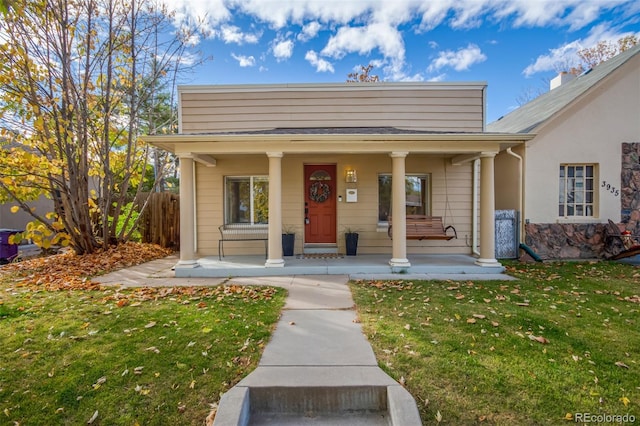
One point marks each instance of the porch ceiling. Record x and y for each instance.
(289, 141)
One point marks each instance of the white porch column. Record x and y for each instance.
(274, 258)
(399, 211)
(187, 212)
(487, 212)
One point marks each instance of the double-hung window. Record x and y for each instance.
(577, 190)
(417, 191)
(246, 199)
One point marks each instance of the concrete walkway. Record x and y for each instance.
(318, 367)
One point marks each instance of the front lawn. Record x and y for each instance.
(560, 342)
(73, 353)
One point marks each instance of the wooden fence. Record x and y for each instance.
(160, 222)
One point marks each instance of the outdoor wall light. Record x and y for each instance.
(350, 176)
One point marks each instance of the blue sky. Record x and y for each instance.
(515, 46)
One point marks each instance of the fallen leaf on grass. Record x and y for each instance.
(471, 321)
(538, 339)
(69, 271)
(141, 390)
(479, 316)
(93, 418)
(212, 415)
(99, 383)
(622, 365)
(625, 400)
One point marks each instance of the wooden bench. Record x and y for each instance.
(243, 232)
(422, 227)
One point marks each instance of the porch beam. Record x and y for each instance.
(399, 211)
(459, 160)
(206, 159)
(487, 212)
(274, 257)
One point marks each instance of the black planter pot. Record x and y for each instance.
(351, 240)
(288, 242)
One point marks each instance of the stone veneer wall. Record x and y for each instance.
(630, 187)
(588, 240)
(566, 241)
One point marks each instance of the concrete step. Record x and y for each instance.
(320, 248)
(325, 405)
(331, 405)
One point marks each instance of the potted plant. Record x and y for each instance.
(288, 241)
(351, 241)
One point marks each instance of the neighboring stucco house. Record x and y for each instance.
(285, 157)
(582, 167)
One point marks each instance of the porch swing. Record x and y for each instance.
(423, 227)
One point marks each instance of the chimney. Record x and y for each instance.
(560, 79)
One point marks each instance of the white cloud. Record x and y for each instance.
(455, 13)
(282, 49)
(438, 78)
(322, 65)
(204, 13)
(459, 60)
(244, 61)
(309, 31)
(234, 34)
(364, 26)
(363, 40)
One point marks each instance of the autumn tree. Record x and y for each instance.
(591, 56)
(79, 81)
(364, 76)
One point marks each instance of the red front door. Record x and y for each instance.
(320, 203)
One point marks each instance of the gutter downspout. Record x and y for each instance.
(520, 192)
(474, 214)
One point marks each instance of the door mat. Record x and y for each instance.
(320, 256)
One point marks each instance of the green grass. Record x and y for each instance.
(147, 357)
(561, 340)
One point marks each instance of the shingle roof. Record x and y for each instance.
(529, 116)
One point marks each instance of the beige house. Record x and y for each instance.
(582, 168)
(320, 159)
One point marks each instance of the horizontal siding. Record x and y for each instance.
(422, 108)
(451, 198)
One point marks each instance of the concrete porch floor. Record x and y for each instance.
(425, 266)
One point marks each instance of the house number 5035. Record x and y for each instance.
(612, 189)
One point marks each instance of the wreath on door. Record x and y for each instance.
(319, 192)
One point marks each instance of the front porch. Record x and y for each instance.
(423, 266)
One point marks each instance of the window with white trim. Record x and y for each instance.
(246, 199)
(577, 190)
(418, 193)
